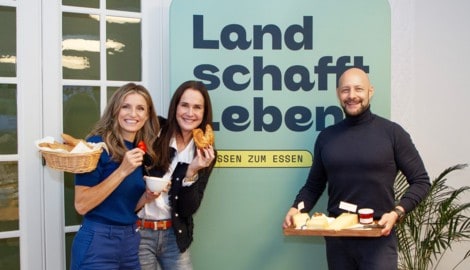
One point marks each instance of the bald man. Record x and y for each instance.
(358, 159)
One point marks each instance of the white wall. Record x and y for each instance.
(430, 81)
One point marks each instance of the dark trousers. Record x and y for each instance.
(362, 253)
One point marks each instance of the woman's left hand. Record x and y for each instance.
(146, 197)
(150, 196)
(204, 157)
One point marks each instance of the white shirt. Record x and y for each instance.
(160, 208)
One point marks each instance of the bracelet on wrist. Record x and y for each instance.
(191, 178)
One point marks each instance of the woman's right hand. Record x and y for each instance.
(132, 159)
(87, 198)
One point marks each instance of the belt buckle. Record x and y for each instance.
(162, 227)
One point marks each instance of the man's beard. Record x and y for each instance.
(356, 112)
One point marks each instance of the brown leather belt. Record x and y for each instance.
(154, 224)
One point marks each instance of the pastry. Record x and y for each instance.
(56, 145)
(201, 139)
(68, 139)
(69, 144)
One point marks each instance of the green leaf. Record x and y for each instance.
(438, 222)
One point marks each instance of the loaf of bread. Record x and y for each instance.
(56, 145)
(70, 140)
(69, 144)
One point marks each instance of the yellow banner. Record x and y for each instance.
(263, 159)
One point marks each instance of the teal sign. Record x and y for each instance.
(271, 69)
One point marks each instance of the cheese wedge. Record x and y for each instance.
(300, 220)
(318, 222)
(343, 221)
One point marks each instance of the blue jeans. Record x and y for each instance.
(159, 250)
(99, 246)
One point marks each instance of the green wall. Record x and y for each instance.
(239, 223)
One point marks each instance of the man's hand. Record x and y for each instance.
(288, 220)
(389, 220)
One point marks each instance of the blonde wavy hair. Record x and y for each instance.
(109, 129)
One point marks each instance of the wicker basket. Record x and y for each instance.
(73, 163)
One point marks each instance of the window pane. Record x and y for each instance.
(10, 250)
(9, 196)
(80, 46)
(8, 121)
(123, 45)
(71, 216)
(81, 111)
(109, 92)
(124, 5)
(68, 248)
(82, 3)
(8, 44)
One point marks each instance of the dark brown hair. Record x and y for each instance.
(172, 128)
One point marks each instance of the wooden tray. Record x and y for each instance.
(369, 232)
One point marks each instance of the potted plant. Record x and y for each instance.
(439, 221)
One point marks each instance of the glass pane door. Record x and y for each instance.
(9, 218)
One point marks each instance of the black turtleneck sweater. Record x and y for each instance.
(358, 159)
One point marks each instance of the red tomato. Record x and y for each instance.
(142, 146)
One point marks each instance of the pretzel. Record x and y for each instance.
(202, 139)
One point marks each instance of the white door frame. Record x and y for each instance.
(39, 73)
(31, 182)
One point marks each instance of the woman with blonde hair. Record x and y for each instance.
(108, 196)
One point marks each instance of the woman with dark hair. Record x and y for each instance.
(166, 223)
(108, 196)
